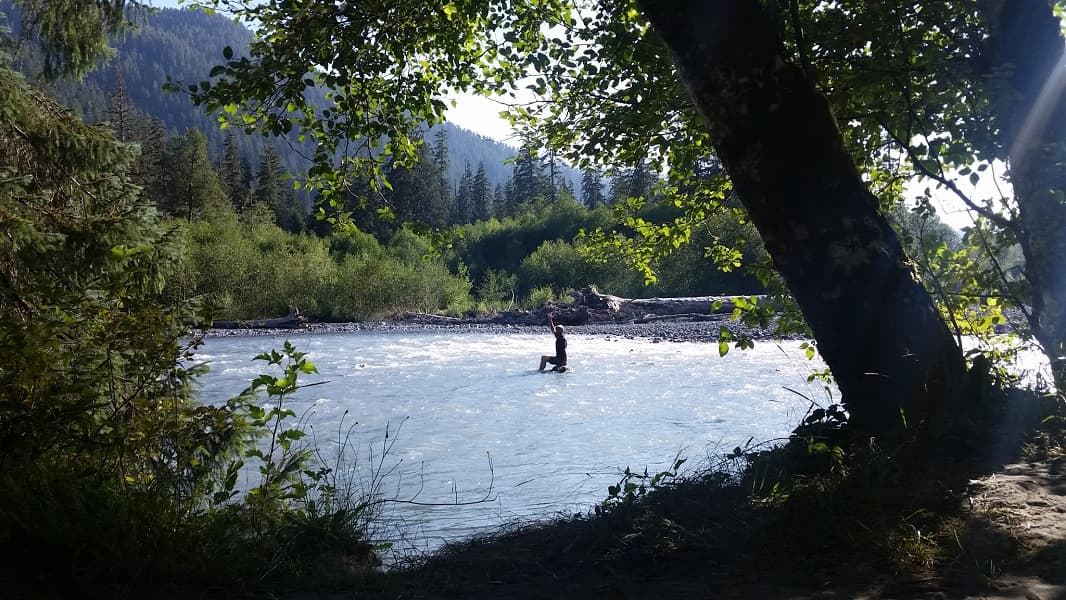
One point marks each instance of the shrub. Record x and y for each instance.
(368, 287)
(255, 269)
(497, 289)
(540, 296)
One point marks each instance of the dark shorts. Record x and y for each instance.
(555, 360)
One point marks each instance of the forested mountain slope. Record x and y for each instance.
(184, 45)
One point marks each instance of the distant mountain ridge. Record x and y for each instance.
(184, 44)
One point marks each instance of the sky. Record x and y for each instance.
(481, 115)
(166, 3)
(949, 208)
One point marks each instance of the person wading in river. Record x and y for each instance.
(559, 360)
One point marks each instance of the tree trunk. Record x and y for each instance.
(1026, 43)
(894, 359)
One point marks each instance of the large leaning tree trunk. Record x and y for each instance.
(1026, 45)
(896, 363)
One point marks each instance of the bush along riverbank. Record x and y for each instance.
(180, 521)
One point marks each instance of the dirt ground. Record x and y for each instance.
(1019, 520)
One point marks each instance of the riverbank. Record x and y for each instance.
(1003, 538)
(689, 319)
(995, 532)
(702, 330)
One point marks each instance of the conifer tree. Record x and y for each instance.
(191, 187)
(552, 187)
(272, 191)
(528, 180)
(565, 191)
(464, 198)
(231, 172)
(482, 195)
(147, 170)
(499, 201)
(415, 193)
(131, 126)
(121, 114)
(634, 182)
(441, 161)
(592, 188)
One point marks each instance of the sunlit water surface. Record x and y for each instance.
(469, 417)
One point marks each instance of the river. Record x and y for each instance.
(477, 438)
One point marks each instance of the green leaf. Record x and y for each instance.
(723, 348)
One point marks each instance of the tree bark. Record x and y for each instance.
(896, 363)
(1026, 44)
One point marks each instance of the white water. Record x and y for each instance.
(478, 420)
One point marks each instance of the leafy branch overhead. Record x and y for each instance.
(386, 69)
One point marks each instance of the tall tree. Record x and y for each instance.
(121, 114)
(565, 191)
(192, 187)
(464, 198)
(441, 162)
(894, 359)
(268, 179)
(94, 398)
(148, 169)
(592, 188)
(481, 195)
(272, 190)
(632, 182)
(551, 164)
(500, 208)
(415, 194)
(528, 178)
(958, 87)
(1025, 53)
(132, 126)
(231, 172)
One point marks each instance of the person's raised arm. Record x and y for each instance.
(551, 324)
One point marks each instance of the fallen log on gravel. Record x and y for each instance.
(627, 309)
(292, 320)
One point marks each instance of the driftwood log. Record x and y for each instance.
(632, 309)
(292, 320)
